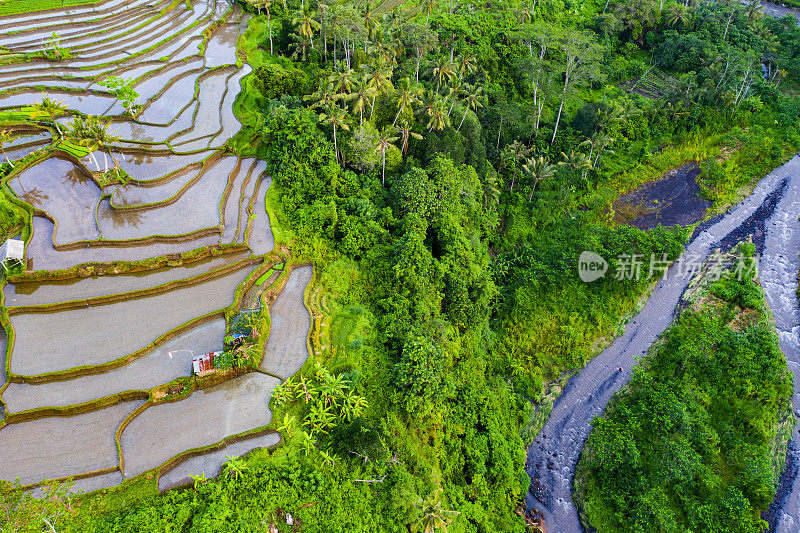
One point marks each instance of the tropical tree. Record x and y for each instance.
(362, 97)
(439, 118)
(383, 144)
(754, 10)
(408, 96)
(341, 79)
(51, 109)
(5, 138)
(306, 25)
(93, 134)
(538, 169)
(577, 161)
(441, 71)
(491, 191)
(598, 143)
(582, 59)
(404, 129)
(434, 516)
(300, 46)
(427, 7)
(266, 5)
(336, 117)
(513, 157)
(380, 81)
(370, 21)
(465, 65)
(679, 14)
(323, 97)
(473, 99)
(454, 90)
(421, 39)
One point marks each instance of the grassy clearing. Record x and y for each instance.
(732, 162)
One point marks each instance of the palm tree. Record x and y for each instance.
(598, 142)
(578, 161)
(404, 129)
(306, 25)
(341, 79)
(439, 119)
(427, 7)
(51, 109)
(371, 22)
(442, 71)
(538, 169)
(93, 133)
(337, 117)
(754, 10)
(454, 90)
(383, 144)
(434, 515)
(266, 4)
(491, 191)
(380, 80)
(5, 138)
(678, 14)
(80, 133)
(473, 99)
(323, 97)
(408, 96)
(362, 97)
(301, 46)
(465, 65)
(512, 155)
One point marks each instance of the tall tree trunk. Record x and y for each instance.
(560, 108)
(499, 130)
(383, 175)
(10, 163)
(269, 23)
(727, 24)
(462, 120)
(335, 144)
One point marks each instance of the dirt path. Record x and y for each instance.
(555, 451)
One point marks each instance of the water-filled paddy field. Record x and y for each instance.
(126, 281)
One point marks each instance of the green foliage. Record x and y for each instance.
(21, 511)
(689, 444)
(123, 90)
(325, 401)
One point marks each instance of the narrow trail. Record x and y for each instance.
(554, 453)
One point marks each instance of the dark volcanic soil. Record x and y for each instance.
(673, 199)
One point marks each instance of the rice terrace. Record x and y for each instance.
(136, 266)
(425, 266)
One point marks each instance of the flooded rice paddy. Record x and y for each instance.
(88, 340)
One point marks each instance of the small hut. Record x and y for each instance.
(204, 364)
(12, 250)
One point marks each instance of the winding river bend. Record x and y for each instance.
(770, 212)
